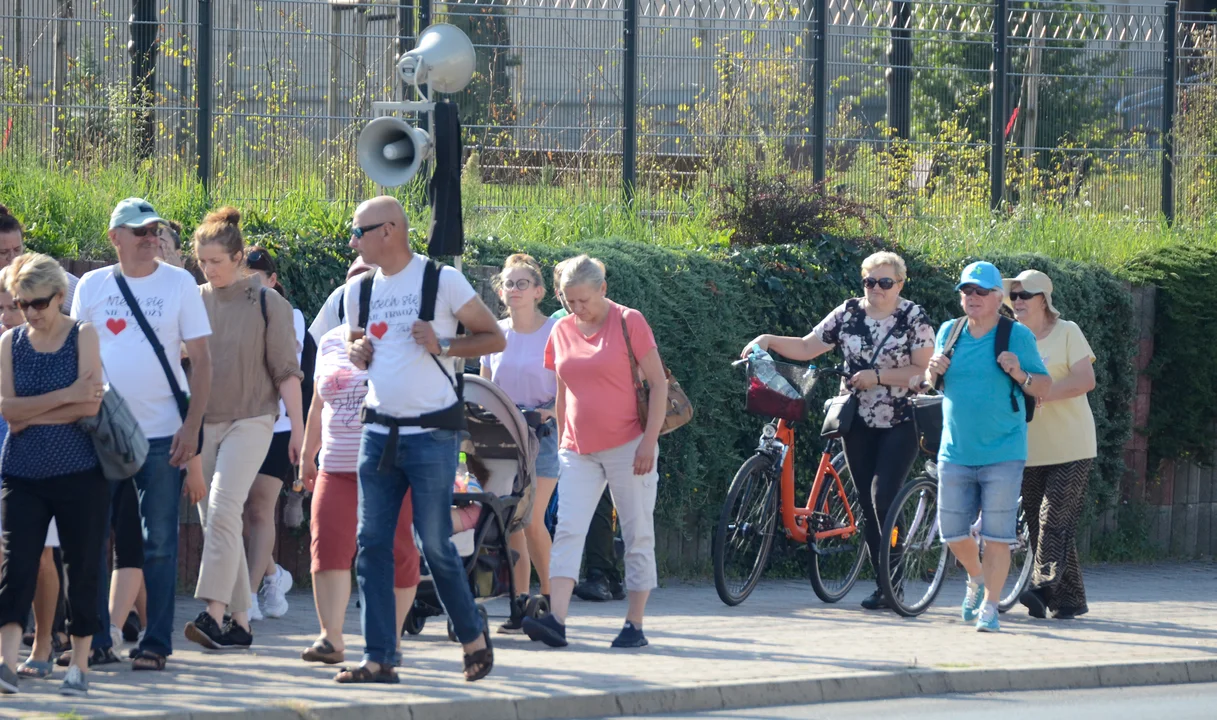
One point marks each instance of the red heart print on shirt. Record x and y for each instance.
(116, 325)
(379, 329)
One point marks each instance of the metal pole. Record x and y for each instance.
(424, 22)
(1169, 75)
(405, 36)
(143, 47)
(819, 107)
(204, 93)
(629, 91)
(997, 133)
(900, 72)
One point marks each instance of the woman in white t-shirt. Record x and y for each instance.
(520, 371)
(276, 472)
(328, 467)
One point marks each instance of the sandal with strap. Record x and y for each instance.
(147, 660)
(35, 669)
(323, 651)
(479, 663)
(359, 675)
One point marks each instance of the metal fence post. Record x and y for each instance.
(1169, 76)
(997, 133)
(629, 92)
(205, 60)
(900, 72)
(819, 118)
(143, 47)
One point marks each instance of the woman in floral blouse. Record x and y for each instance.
(881, 444)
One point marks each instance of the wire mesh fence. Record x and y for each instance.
(888, 100)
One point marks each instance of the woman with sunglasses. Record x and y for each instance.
(886, 341)
(50, 377)
(255, 367)
(277, 472)
(1061, 447)
(520, 371)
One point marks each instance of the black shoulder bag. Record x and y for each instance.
(839, 412)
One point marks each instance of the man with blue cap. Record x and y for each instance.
(990, 369)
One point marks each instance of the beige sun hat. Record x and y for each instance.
(1033, 281)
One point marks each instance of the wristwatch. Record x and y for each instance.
(1027, 382)
(444, 345)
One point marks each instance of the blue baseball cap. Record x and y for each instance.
(981, 274)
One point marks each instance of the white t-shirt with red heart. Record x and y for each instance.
(171, 302)
(403, 379)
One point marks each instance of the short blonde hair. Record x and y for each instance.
(581, 270)
(882, 258)
(32, 271)
(4, 278)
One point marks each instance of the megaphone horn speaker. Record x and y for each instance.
(392, 151)
(443, 60)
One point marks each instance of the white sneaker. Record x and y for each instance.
(116, 636)
(255, 612)
(274, 592)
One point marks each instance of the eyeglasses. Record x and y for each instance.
(359, 232)
(1022, 295)
(517, 284)
(146, 230)
(37, 303)
(976, 290)
(885, 283)
(257, 256)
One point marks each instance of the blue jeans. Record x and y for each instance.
(992, 491)
(159, 487)
(426, 464)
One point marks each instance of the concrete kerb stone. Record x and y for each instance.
(874, 685)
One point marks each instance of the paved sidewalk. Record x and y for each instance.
(1151, 614)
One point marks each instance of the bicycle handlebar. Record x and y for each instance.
(832, 371)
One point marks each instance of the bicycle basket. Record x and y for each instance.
(770, 384)
(927, 418)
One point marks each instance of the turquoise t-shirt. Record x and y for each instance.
(978, 425)
(559, 314)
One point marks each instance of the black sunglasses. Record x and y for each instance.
(145, 230)
(885, 283)
(36, 303)
(1022, 295)
(359, 232)
(976, 290)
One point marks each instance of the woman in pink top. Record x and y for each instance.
(603, 441)
(520, 371)
(328, 468)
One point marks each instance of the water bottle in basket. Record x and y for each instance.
(776, 389)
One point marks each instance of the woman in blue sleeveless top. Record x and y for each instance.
(50, 377)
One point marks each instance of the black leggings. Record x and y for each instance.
(125, 522)
(879, 460)
(80, 504)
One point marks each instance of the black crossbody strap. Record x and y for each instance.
(183, 402)
(875, 355)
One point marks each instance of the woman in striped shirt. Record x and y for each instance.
(328, 467)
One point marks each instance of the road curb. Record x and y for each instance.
(872, 685)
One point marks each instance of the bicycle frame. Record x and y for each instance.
(777, 441)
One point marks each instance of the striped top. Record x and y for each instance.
(342, 387)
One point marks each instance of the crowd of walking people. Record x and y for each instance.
(242, 406)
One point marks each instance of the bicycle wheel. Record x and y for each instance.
(912, 560)
(1021, 560)
(745, 530)
(836, 562)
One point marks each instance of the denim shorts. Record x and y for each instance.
(547, 459)
(992, 491)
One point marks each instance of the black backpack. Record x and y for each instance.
(1000, 345)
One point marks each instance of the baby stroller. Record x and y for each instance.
(501, 448)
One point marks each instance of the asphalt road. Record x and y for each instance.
(1176, 702)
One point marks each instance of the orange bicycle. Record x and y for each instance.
(762, 495)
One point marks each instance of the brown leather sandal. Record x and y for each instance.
(479, 663)
(361, 675)
(147, 660)
(323, 651)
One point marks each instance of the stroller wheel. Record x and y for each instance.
(537, 607)
(414, 623)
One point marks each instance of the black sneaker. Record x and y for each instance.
(237, 637)
(617, 590)
(515, 623)
(1033, 600)
(97, 656)
(630, 637)
(205, 631)
(132, 627)
(876, 601)
(594, 589)
(1069, 613)
(547, 630)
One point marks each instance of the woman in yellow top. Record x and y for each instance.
(1061, 447)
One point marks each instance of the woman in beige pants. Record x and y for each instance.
(252, 333)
